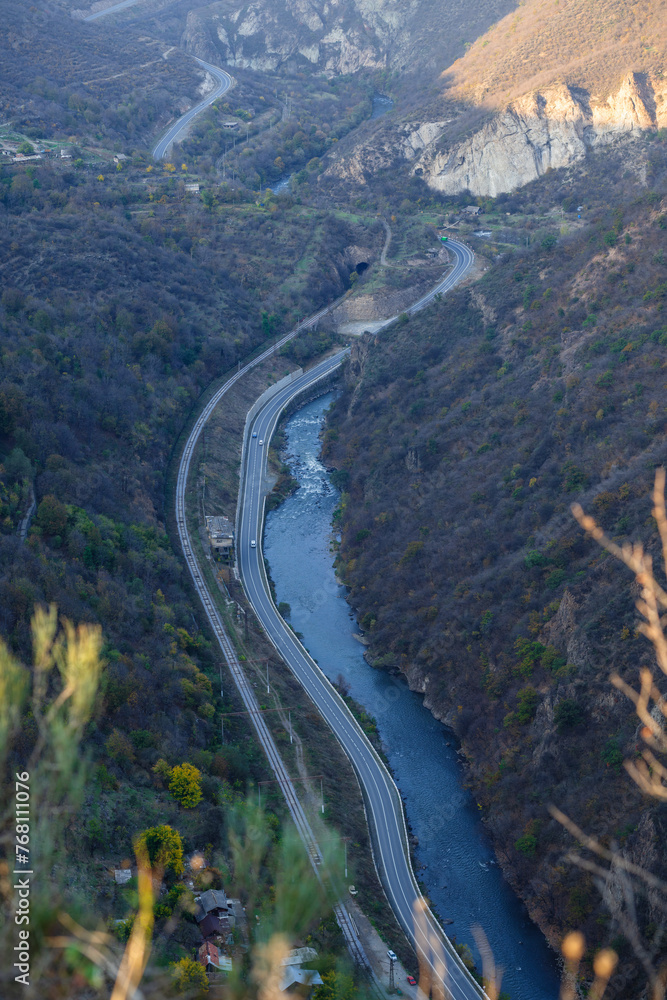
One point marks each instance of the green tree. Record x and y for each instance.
(190, 976)
(119, 747)
(51, 516)
(164, 848)
(185, 785)
(568, 714)
(335, 986)
(26, 148)
(161, 770)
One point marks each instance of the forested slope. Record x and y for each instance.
(64, 79)
(462, 438)
(122, 299)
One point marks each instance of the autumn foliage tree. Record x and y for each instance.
(185, 785)
(163, 847)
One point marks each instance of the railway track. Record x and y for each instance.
(236, 670)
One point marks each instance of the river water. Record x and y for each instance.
(460, 877)
(381, 105)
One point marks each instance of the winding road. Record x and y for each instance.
(382, 799)
(110, 10)
(223, 83)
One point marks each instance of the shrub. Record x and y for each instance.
(568, 714)
(119, 747)
(527, 844)
(612, 754)
(190, 977)
(164, 848)
(185, 785)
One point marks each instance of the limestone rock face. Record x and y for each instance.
(544, 130)
(337, 36)
(266, 36)
(539, 132)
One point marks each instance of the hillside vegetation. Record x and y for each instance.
(122, 299)
(462, 438)
(585, 44)
(63, 79)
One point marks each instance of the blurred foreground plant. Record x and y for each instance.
(55, 699)
(620, 881)
(271, 871)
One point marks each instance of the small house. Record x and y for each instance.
(214, 902)
(472, 210)
(298, 956)
(299, 981)
(220, 531)
(210, 957)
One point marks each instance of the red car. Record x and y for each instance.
(412, 980)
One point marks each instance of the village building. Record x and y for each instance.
(295, 980)
(220, 531)
(210, 956)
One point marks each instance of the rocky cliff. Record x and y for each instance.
(338, 36)
(541, 131)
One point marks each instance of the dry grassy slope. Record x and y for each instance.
(591, 44)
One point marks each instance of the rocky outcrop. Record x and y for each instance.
(293, 34)
(338, 36)
(539, 132)
(542, 131)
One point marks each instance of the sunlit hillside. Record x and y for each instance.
(584, 43)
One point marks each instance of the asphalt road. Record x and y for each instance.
(110, 10)
(462, 264)
(387, 814)
(383, 802)
(224, 82)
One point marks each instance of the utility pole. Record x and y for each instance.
(290, 726)
(392, 983)
(268, 689)
(322, 795)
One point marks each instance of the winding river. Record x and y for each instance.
(458, 869)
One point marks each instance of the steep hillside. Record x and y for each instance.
(64, 79)
(538, 91)
(587, 45)
(461, 440)
(340, 38)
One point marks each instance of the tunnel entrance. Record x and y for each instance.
(361, 266)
